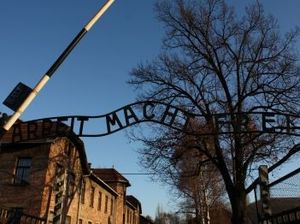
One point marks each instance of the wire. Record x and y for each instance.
(137, 174)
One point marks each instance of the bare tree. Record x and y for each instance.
(200, 192)
(214, 61)
(197, 180)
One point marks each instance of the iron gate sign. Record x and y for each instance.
(151, 111)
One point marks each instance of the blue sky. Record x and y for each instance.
(92, 81)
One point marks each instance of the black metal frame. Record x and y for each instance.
(173, 117)
(16, 216)
(290, 216)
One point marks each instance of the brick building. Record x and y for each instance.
(128, 208)
(44, 173)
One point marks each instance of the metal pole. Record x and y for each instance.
(52, 69)
(256, 206)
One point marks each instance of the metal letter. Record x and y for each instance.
(268, 118)
(17, 133)
(148, 116)
(112, 121)
(82, 120)
(46, 127)
(32, 130)
(168, 113)
(129, 114)
(220, 120)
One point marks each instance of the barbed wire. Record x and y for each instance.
(289, 187)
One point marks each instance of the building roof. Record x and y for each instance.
(101, 183)
(146, 220)
(110, 175)
(135, 202)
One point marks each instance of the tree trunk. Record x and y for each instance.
(239, 206)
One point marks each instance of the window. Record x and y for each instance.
(80, 221)
(106, 204)
(111, 206)
(92, 197)
(127, 213)
(129, 216)
(83, 192)
(22, 171)
(68, 219)
(99, 201)
(71, 184)
(51, 216)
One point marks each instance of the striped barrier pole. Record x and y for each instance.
(19, 111)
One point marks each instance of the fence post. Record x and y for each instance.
(60, 184)
(264, 192)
